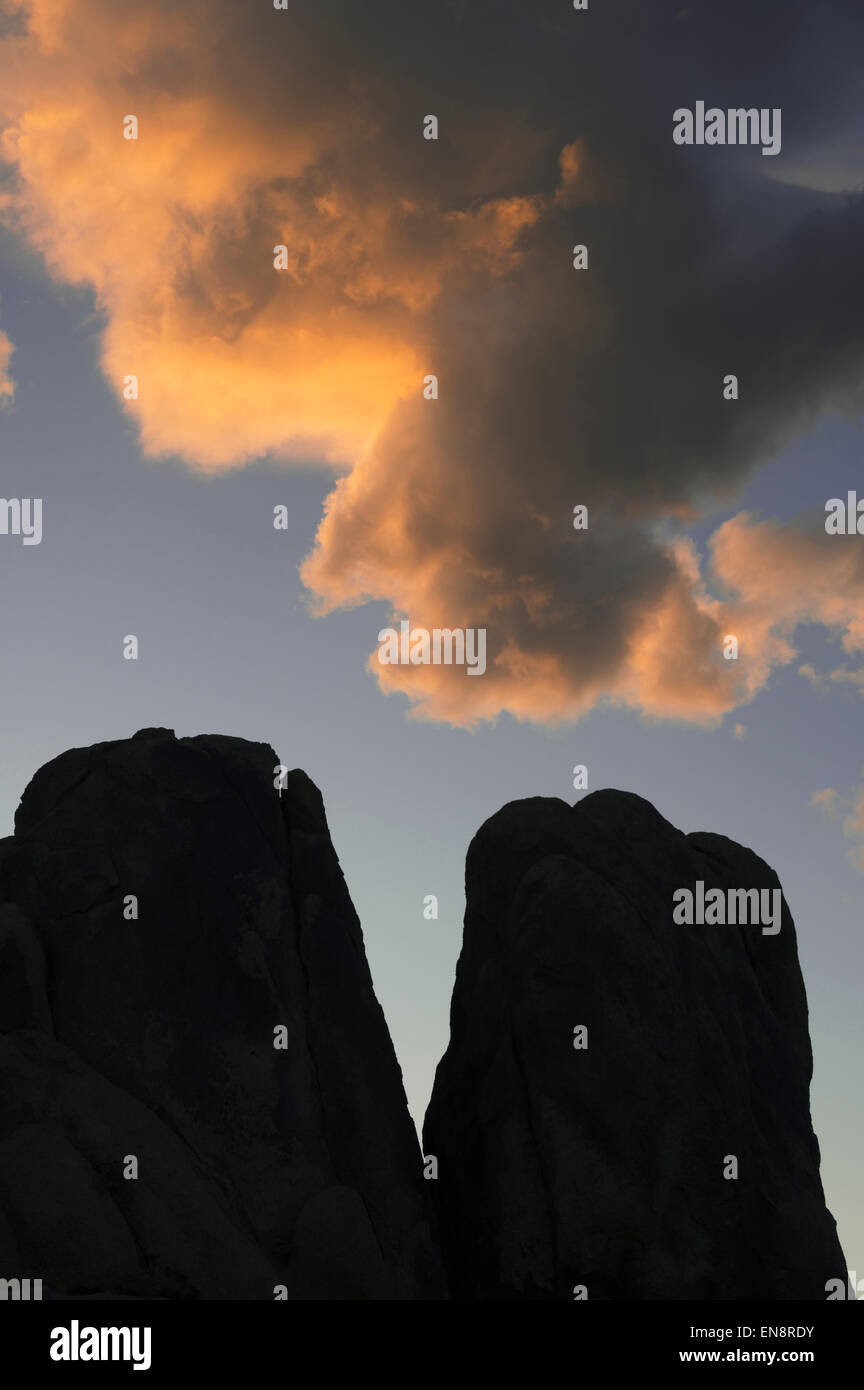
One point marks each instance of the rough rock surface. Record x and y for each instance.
(153, 1039)
(603, 1167)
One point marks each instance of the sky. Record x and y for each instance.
(304, 387)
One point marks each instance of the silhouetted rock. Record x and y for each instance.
(604, 1167)
(153, 1039)
(150, 1037)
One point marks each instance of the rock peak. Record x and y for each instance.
(184, 989)
(608, 1069)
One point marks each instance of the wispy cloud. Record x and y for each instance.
(849, 811)
(840, 676)
(7, 385)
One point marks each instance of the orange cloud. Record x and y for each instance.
(403, 257)
(7, 385)
(175, 231)
(851, 808)
(671, 662)
(840, 676)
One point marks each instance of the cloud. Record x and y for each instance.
(250, 135)
(828, 801)
(7, 385)
(853, 829)
(851, 810)
(840, 676)
(407, 257)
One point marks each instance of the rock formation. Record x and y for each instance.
(606, 1169)
(199, 1097)
(145, 1039)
